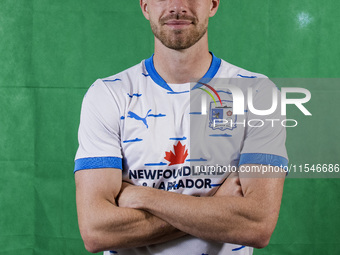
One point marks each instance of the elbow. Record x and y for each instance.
(90, 241)
(261, 242)
(254, 235)
(90, 248)
(257, 237)
(95, 241)
(262, 237)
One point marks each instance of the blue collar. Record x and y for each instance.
(214, 66)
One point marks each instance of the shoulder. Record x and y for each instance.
(125, 78)
(244, 78)
(118, 84)
(128, 75)
(231, 71)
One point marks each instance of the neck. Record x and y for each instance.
(182, 66)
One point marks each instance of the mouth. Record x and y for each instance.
(178, 24)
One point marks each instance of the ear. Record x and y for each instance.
(144, 6)
(213, 7)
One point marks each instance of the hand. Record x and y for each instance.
(230, 187)
(129, 195)
(124, 195)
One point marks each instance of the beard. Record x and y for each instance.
(179, 39)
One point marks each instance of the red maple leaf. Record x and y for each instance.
(179, 156)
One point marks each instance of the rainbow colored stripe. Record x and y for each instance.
(210, 94)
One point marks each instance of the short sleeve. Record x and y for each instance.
(265, 135)
(99, 130)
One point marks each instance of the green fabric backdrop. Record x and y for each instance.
(51, 52)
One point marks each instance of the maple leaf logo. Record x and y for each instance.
(179, 156)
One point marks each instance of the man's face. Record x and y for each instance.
(179, 24)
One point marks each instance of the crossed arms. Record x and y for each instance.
(243, 211)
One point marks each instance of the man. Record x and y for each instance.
(136, 193)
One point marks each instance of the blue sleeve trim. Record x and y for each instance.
(98, 162)
(263, 159)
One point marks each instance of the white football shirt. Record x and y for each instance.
(157, 134)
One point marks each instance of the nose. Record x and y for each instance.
(178, 6)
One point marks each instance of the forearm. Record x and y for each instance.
(222, 219)
(110, 227)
